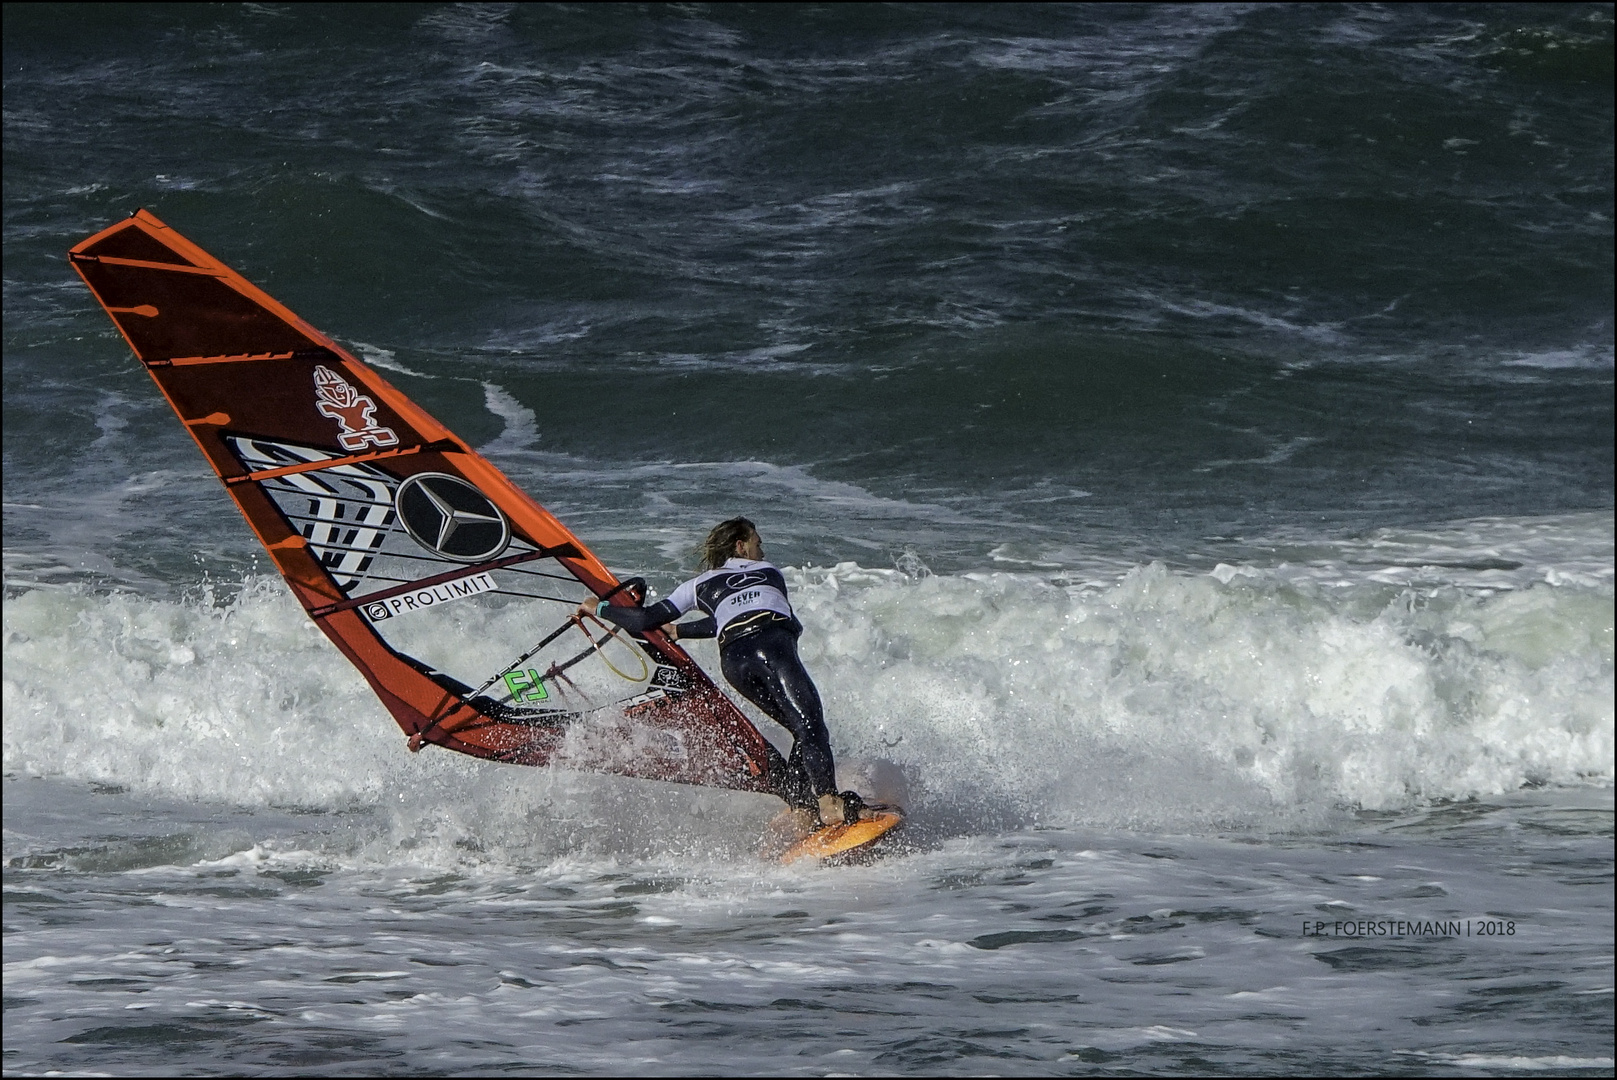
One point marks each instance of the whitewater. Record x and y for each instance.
(1167, 822)
(1243, 695)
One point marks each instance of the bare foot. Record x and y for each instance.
(844, 809)
(787, 828)
(833, 810)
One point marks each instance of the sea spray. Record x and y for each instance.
(241, 700)
(1179, 699)
(1168, 699)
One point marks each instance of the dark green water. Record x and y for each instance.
(1126, 275)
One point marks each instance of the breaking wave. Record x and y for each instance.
(1168, 699)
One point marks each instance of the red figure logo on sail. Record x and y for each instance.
(353, 410)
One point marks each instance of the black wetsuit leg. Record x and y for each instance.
(765, 669)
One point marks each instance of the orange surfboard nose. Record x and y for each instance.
(839, 839)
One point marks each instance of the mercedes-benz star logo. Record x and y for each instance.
(446, 515)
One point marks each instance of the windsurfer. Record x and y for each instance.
(743, 603)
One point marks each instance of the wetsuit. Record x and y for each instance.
(744, 605)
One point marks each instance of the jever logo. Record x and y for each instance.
(353, 410)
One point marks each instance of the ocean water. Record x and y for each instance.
(1188, 431)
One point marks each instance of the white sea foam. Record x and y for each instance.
(1556, 1062)
(376, 356)
(521, 425)
(1589, 357)
(1179, 699)
(1169, 699)
(1479, 554)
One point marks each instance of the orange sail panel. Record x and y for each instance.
(430, 571)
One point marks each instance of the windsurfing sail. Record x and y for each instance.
(447, 587)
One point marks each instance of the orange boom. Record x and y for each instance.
(412, 552)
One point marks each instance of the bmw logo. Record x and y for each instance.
(451, 518)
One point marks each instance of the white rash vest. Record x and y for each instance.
(736, 590)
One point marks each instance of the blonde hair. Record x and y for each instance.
(722, 540)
